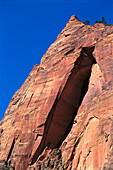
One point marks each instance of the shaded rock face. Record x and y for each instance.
(66, 105)
(62, 116)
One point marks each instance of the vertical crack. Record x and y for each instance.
(74, 148)
(10, 151)
(60, 119)
(87, 156)
(30, 100)
(78, 159)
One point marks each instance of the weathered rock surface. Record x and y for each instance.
(62, 116)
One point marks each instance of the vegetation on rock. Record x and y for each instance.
(103, 21)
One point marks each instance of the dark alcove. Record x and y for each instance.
(64, 110)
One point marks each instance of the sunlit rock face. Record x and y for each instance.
(61, 117)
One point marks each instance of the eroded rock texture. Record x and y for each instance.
(62, 116)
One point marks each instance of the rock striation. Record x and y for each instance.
(62, 116)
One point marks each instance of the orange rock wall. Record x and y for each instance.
(38, 117)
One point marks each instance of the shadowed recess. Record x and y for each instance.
(64, 110)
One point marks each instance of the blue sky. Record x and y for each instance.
(29, 27)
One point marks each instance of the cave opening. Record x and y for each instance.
(64, 110)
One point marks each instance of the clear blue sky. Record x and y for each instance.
(29, 27)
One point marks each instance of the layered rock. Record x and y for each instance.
(62, 116)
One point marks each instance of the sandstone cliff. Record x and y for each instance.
(62, 116)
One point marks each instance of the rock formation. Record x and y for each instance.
(62, 116)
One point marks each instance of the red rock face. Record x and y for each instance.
(62, 116)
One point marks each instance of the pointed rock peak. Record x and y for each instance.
(72, 23)
(75, 20)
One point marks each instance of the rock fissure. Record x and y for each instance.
(78, 160)
(10, 151)
(61, 118)
(106, 137)
(30, 99)
(74, 148)
(87, 156)
(70, 51)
